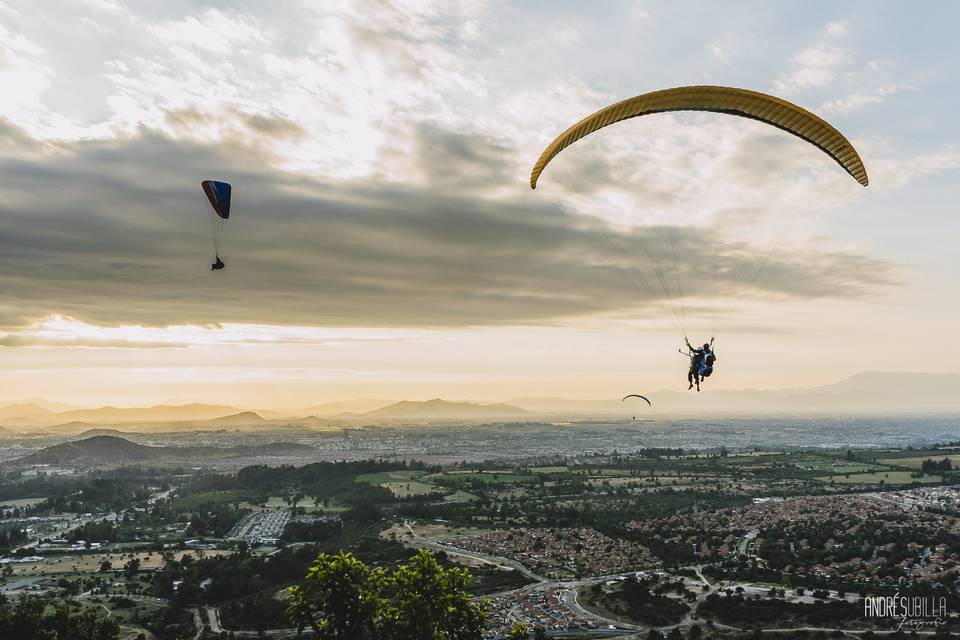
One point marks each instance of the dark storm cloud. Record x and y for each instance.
(115, 232)
(455, 162)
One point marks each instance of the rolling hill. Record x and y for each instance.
(101, 431)
(109, 451)
(93, 452)
(235, 419)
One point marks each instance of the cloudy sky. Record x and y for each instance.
(384, 240)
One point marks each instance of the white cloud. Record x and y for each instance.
(108, 6)
(566, 35)
(837, 28)
(213, 30)
(347, 73)
(857, 101)
(813, 67)
(730, 46)
(639, 11)
(23, 75)
(719, 52)
(61, 331)
(895, 173)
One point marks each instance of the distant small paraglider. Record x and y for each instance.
(218, 197)
(634, 395)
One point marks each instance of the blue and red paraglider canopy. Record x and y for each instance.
(218, 193)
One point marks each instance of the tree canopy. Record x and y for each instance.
(341, 597)
(29, 619)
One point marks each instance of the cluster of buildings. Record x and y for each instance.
(260, 527)
(946, 499)
(759, 514)
(61, 544)
(544, 607)
(884, 538)
(562, 552)
(54, 526)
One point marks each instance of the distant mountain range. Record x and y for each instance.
(23, 410)
(71, 427)
(158, 413)
(358, 406)
(864, 393)
(437, 409)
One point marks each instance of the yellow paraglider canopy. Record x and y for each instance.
(737, 102)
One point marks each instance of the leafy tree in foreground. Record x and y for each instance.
(342, 598)
(337, 599)
(426, 601)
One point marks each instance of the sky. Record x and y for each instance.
(384, 241)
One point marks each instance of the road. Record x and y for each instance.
(213, 620)
(497, 561)
(198, 623)
(691, 619)
(569, 597)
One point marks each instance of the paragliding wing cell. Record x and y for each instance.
(633, 395)
(218, 193)
(738, 102)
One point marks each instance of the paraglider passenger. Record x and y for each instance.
(216, 266)
(707, 359)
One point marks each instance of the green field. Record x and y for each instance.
(385, 477)
(308, 504)
(889, 477)
(854, 468)
(194, 500)
(21, 502)
(485, 477)
(89, 563)
(407, 489)
(459, 496)
(278, 502)
(402, 484)
(917, 462)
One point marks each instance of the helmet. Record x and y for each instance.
(706, 346)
